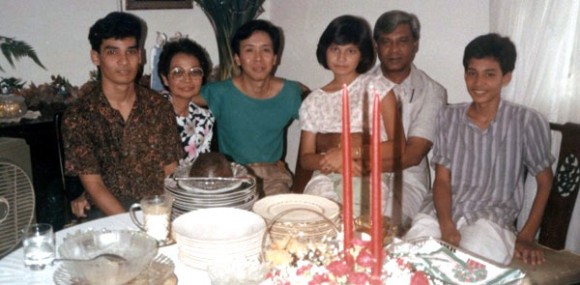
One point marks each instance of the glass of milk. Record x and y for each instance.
(156, 216)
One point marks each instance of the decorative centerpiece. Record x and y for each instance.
(52, 97)
(12, 108)
(361, 259)
(328, 263)
(47, 98)
(350, 261)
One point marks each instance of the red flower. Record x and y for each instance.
(358, 278)
(318, 279)
(360, 242)
(338, 268)
(365, 259)
(419, 278)
(474, 264)
(403, 264)
(303, 269)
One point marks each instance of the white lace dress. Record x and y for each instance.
(321, 112)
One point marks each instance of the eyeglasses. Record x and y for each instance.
(180, 73)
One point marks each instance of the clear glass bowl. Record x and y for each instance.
(136, 247)
(12, 108)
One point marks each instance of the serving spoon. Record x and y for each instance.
(108, 256)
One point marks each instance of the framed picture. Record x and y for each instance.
(159, 4)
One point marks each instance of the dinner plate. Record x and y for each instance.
(159, 271)
(209, 185)
(201, 199)
(181, 179)
(182, 170)
(211, 253)
(218, 224)
(205, 263)
(291, 204)
(178, 193)
(193, 204)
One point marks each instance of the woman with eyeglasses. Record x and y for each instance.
(183, 67)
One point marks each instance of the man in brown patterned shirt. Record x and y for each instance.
(120, 138)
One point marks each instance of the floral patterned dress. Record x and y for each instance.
(195, 130)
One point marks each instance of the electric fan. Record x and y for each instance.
(16, 205)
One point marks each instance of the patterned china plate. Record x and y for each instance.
(270, 207)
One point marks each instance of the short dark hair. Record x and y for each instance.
(348, 29)
(249, 28)
(117, 25)
(185, 46)
(389, 21)
(495, 46)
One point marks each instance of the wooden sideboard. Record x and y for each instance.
(40, 135)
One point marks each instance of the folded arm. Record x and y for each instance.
(416, 148)
(397, 151)
(323, 152)
(309, 159)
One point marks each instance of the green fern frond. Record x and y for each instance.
(14, 50)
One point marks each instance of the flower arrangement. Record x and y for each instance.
(49, 97)
(327, 263)
(58, 91)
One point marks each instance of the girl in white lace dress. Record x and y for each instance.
(346, 49)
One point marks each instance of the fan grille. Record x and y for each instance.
(17, 190)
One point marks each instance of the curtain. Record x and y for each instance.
(547, 38)
(547, 73)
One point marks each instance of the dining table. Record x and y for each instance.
(13, 271)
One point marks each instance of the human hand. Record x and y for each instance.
(357, 167)
(331, 161)
(529, 252)
(80, 206)
(450, 235)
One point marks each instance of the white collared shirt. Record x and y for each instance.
(422, 99)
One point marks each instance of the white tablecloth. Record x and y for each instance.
(12, 270)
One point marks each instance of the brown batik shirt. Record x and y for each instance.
(129, 155)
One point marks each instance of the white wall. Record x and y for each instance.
(447, 27)
(57, 30)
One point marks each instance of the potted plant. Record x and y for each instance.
(14, 50)
(226, 17)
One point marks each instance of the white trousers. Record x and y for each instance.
(483, 237)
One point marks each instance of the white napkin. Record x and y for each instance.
(32, 115)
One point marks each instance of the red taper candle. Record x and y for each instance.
(376, 205)
(346, 172)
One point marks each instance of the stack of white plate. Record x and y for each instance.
(200, 193)
(206, 237)
(301, 216)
